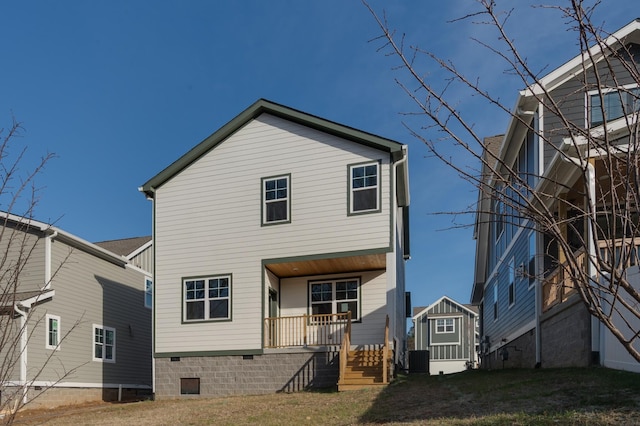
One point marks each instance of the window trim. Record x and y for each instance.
(49, 317)
(148, 292)
(350, 189)
(355, 316)
(444, 326)
(532, 278)
(206, 279)
(263, 200)
(511, 288)
(589, 103)
(105, 328)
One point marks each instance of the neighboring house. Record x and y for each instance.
(266, 235)
(449, 331)
(81, 328)
(527, 318)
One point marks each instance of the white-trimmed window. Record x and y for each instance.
(52, 332)
(364, 187)
(104, 343)
(148, 293)
(276, 200)
(335, 297)
(532, 259)
(615, 103)
(512, 282)
(445, 325)
(207, 299)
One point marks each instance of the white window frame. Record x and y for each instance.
(446, 328)
(604, 91)
(353, 190)
(266, 202)
(148, 292)
(104, 345)
(511, 289)
(48, 319)
(207, 297)
(355, 316)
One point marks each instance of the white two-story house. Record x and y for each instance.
(279, 238)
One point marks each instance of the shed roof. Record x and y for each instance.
(124, 246)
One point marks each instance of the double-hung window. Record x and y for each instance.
(276, 199)
(104, 343)
(207, 299)
(52, 332)
(335, 297)
(611, 104)
(148, 293)
(445, 325)
(364, 187)
(512, 281)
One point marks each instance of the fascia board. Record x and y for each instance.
(264, 106)
(575, 66)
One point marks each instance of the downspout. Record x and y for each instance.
(47, 260)
(395, 269)
(23, 351)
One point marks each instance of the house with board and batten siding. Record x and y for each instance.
(280, 243)
(449, 331)
(81, 318)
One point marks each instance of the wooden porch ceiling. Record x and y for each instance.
(338, 265)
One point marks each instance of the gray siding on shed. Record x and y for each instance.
(446, 346)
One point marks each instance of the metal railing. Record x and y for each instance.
(306, 330)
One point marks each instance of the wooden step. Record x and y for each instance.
(348, 386)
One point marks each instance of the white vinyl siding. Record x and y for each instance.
(229, 236)
(294, 293)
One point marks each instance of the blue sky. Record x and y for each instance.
(118, 90)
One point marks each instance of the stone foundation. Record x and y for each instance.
(42, 397)
(521, 353)
(566, 335)
(243, 375)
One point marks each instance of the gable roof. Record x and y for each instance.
(126, 246)
(264, 106)
(424, 310)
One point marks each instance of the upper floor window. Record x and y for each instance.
(104, 343)
(207, 298)
(611, 104)
(532, 272)
(335, 297)
(276, 199)
(52, 332)
(445, 325)
(148, 293)
(364, 188)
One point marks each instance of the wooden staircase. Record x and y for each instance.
(364, 369)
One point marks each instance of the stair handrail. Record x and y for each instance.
(385, 353)
(344, 347)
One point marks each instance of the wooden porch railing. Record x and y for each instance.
(559, 285)
(345, 346)
(305, 330)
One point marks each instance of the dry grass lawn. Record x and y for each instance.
(594, 396)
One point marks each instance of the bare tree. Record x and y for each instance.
(19, 297)
(589, 215)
